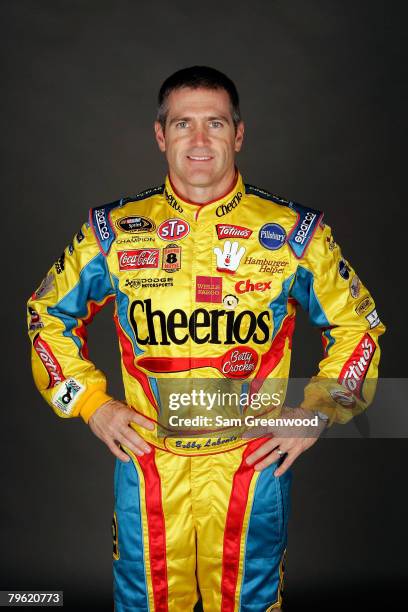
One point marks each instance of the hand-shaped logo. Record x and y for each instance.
(229, 258)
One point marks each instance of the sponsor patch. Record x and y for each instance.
(230, 302)
(80, 236)
(363, 305)
(344, 269)
(138, 259)
(224, 209)
(71, 248)
(50, 362)
(355, 369)
(373, 318)
(173, 229)
(171, 259)
(272, 236)
(229, 258)
(355, 287)
(46, 286)
(67, 395)
(35, 320)
(330, 240)
(208, 289)
(134, 239)
(135, 225)
(302, 233)
(154, 281)
(171, 201)
(245, 286)
(232, 231)
(115, 534)
(239, 363)
(60, 264)
(267, 265)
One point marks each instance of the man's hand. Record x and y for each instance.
(110, 423)
(293, 440)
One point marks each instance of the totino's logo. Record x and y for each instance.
(224, 209)
(102, 224)
(304, 229)
(232, 231)
(50, 362)
(173, 229)
(139, 258)
(355, 369)
(155, 327)
(245, 285)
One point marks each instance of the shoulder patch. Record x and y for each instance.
(147, 193)
(301, 234)
(266, 195)
(99, 219)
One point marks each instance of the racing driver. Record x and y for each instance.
(206, 273)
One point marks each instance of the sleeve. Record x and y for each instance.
(329, 290)
(76, 287)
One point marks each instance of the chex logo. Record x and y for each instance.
(232, 231)
(173, 229)
(139, 258)
(245, 286)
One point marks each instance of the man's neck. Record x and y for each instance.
(204, 194)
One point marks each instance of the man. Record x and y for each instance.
(206, 273)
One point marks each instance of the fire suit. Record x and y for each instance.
(208, 293)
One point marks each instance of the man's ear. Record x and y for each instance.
(160, 138)
(239, 136)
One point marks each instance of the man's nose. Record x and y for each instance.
(200, 137)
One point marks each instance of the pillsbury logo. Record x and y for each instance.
(272, 236)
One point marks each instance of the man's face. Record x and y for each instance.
(199, 140)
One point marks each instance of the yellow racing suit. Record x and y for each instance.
(208, 293)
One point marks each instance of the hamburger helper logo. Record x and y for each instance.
(138, 259)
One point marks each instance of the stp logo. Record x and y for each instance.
(173, 229)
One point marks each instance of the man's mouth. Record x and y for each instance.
(199, 157)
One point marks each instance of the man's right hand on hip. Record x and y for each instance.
(111, 424)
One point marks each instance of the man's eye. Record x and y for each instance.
(216, 124)
(181, 124)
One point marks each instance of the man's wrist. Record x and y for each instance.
(95, 401)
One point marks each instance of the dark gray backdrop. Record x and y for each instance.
(321, 90)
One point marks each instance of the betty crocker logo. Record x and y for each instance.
(138, 259)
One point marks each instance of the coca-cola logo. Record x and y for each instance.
(50, 362)
(135, 225)
(139, 258)
(232, 231)
(355, 370)
(173, 229)
(239, 363)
